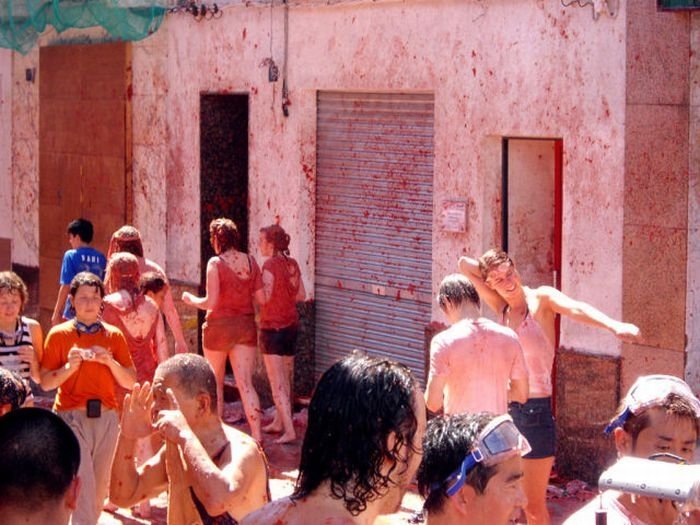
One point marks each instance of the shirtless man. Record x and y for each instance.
(361, 448)
(659, 417)
(464, 478)
(39, 465)
(476, 365)
(532, 312)
(210, 470)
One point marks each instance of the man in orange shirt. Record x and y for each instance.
(84, 358)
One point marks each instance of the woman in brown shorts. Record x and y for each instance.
(233, 281)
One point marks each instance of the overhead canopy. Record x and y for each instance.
(22, 21)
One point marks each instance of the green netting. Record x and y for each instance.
(22, 21)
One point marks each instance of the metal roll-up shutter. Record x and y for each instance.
(374, 209)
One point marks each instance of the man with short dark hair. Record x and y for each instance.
(476, 364)
(13, 391)
(658, 419)
(211, 470)
(472, 470)
(39, 459)
(80, 258)
(361, 448)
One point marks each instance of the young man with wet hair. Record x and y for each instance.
(39, 459)
(213, 473)
(361, 448)
(472, 470)
(476, 364)
(659, 418)
(531, 313)
(80, 258)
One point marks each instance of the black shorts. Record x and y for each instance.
(535, 421)
(279, 342)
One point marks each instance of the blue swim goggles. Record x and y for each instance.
(650, 391)
(498, 441)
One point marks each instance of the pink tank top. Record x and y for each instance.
(539, 355)
(236, 294)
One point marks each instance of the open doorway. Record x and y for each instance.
(223, 170)
(532, 211)
(532, 208)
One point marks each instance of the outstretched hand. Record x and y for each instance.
(628, 332)
(171, 424)
(136, 415)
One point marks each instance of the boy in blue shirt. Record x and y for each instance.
(80, 258)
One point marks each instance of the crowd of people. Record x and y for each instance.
(130, 421)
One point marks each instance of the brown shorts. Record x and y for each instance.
(224, 333)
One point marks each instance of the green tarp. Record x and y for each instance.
(22, 21)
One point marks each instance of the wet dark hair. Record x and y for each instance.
(492, 258)
(279, 239)
(152, 282)
(226, 234)
(447, 441)
(13, 390)
(82, 228)
(456, 289)
(358, 403)
(194, 375)
(86, 279)
(39, 460)
(672, 405)
(13, 283)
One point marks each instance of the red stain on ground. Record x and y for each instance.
(245, 33)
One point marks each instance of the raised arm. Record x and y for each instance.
(212, 289)
(469, 267)
(583, 312)
(128, 484)
(219, 490)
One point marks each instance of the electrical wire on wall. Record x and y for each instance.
(285, 89)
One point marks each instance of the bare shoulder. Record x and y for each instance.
(247, 452)
(285, 511)
(33, 324)
(278, 512)
(153, 266)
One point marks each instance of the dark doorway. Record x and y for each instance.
(223, 168)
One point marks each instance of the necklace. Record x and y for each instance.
(12, 338)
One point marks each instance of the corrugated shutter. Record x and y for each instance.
(374, 206)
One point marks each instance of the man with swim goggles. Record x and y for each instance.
(659, 419)
(472, 470)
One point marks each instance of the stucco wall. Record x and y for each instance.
(693, 298)
(499, 68)
(5, 149)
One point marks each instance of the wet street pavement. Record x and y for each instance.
(284, 459)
